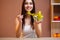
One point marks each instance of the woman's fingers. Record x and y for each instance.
(20, 17)
(38, 21)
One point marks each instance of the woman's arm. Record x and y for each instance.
(18, 27)
(38, 29)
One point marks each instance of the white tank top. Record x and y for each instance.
(27, 28)
(28, 31)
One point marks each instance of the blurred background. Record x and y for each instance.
(9, 9)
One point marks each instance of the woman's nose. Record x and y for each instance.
(28, 4)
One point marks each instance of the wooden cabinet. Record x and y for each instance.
(55, 17)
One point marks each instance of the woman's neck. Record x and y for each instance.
(28, 16)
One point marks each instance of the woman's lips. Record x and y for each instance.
(28, 7)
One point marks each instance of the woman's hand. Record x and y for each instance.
(38, 21)
(20, 17)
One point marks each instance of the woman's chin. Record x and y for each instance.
(28, 10)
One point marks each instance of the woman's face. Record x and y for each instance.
(28, 5)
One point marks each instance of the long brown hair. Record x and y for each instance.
(24, 13)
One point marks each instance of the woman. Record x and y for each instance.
(29, 27)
